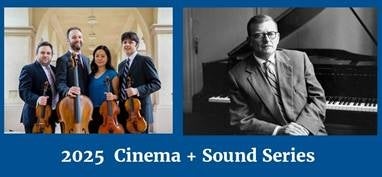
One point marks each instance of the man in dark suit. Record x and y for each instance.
(31, 87)
(65, 74)
(144, 76)
(275, 92)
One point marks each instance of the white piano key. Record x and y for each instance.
(329, 106)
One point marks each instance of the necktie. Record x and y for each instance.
(79, 62)
(270, 73)
(271, 77)
(124, 80)
(51, 80)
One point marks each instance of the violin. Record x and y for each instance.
(43, 114)
(135, 122)
(109, 111)
(75, 113)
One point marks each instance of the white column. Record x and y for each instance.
(163, 49)
(18, 51)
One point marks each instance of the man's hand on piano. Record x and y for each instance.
(293, 129)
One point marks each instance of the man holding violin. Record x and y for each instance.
(33, 78)
(140, 70)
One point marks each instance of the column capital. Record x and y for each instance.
(20, 31)
(161, 29)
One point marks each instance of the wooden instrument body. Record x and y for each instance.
(66, 111)
(109, 111)
(135, 122)
(110, 122)
(43, 114)
(75, 113)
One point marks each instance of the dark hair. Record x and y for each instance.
(71, 29)
(44, 43)
(108, 65)
(130, 35)
(257, 19)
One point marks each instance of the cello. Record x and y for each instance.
(75, 113)
(109, 111)
(135, 122)
(43, 114)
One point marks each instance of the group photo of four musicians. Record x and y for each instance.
(71, 86)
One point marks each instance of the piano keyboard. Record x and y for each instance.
(332, 103)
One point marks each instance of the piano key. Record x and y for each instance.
(360, 104)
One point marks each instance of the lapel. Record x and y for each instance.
(53, 69)
(85, 61)
(258, 82)
(68, 55)
(41, 72)
(121, 66)
(134, 64)
(285, 75)
(42, 77)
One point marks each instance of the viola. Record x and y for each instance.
(43, 114)
(109, 111)
(135, 122)
(75, 113)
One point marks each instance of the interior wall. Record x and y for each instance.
(212, 34)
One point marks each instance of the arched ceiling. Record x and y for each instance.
(110, 24)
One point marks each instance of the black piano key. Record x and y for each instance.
(374, 102)
(334, 99)
(362, 101)
(343, 101)
(367, 102)
(371, 101)
(347, 100)
(356, 101)
(329, 99)
(340, 100)
(351, 99)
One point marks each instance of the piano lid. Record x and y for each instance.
(292, 20)
(339, 57)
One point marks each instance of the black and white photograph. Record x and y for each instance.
(280, 71)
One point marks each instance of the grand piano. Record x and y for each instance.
(349, 81)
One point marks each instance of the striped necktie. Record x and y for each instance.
(52, 80)
(270, 74)
(124, 79)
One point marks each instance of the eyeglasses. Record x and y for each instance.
(270, 34)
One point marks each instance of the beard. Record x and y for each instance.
(76, 46)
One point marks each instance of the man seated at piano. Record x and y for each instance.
(275, 91)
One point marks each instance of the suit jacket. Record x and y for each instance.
(31, 86)
(65, 74)
(253, 107)
(145, 79)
